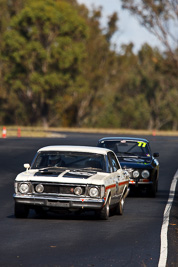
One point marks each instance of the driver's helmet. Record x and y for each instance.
(54, 157)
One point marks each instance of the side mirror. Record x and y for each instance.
(156, 155)
(27, 166)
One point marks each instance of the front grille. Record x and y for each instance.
(53, 189)
(59, 189)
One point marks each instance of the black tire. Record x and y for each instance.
(21, 210)
(104, 212)
(40, 212)
(153, 189)
(120, 207)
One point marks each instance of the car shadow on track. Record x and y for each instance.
(143, 193)
(61, 215)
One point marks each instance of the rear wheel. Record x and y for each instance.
(21, 210)
(120, 207)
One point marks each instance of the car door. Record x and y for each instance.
(117, 177)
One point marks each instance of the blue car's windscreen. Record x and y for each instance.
(125, 147)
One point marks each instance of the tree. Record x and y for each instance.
(158, 83)
(43, 51)
(7, 10)
(130, 102)
(57, 68)
(112, 26)
(160, 17)
(100, 70)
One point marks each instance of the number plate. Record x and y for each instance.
(58, 204)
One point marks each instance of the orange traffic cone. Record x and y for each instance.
(154, 133)
(4, 132)
(18, 132)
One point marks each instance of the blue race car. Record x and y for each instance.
(135, 156)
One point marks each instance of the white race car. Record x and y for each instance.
(73, 178)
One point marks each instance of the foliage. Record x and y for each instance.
(160, 17)
(58, 68)
(43, 51)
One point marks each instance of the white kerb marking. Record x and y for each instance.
(164, 229)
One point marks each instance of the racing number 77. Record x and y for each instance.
(143, 144)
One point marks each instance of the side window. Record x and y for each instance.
(113, 162)
(109, 165)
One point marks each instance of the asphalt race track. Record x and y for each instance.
(68, 240)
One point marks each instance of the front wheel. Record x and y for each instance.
(153, 190)
(104, 212)
(21, 210)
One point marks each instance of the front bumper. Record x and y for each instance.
(141, 182)
(59, 202)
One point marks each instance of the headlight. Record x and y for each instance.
(23, 188)
(93, 192)
(39, 188)
(78, 190)
(136, 174)
(145, 174)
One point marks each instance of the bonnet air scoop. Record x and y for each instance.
(51, 171)
(79, 174)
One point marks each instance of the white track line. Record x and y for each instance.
(164, 229)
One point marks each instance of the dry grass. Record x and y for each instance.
(21, 131)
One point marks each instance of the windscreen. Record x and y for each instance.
(125, 147)
(71, 160)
